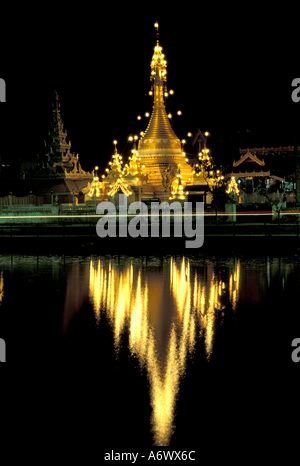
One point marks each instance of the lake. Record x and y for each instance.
(160, 351)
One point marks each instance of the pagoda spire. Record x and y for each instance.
(159, 149)
(57, 149)
(58, 136)
(159, 125)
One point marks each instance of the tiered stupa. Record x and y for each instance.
(62, 177)
(160, 149)
(118, 179)
(60, 160)
(158, 168)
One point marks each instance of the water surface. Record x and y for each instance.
(163, 339)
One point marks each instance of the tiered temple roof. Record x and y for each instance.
(60, 159)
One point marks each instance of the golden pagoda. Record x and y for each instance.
(159, 148)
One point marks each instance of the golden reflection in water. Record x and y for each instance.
(121, 295)
(207, 301)
(234, 285)
(1, 287)
(162, 310)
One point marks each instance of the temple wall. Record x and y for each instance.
(157, 161)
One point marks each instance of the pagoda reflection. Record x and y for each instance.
(164, 309)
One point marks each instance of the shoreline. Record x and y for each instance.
(72, 238)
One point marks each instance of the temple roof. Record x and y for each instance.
(66, 186)
(248, 157)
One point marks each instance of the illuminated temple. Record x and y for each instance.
(157, 168)
(159, 148)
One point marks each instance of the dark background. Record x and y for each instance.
(231, 69)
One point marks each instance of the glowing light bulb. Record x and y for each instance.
(179, 112)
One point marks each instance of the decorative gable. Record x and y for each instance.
(248, 157)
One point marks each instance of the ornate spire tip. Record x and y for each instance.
(156, 25)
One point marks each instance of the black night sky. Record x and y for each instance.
(231, 69)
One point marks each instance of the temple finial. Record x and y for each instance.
(115, 142)
(158, 64)
(156, 25)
